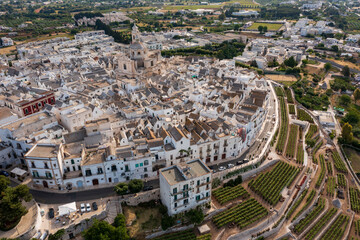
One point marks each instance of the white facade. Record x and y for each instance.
(184, 187)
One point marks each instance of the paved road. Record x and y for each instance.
(92, 194)
(333, 63)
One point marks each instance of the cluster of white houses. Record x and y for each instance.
(96, 113)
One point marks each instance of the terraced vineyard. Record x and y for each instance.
(291, 108)
(336, 229)
(292, 141)
(226, 194)
(300, 154)
(354, 199)
(242, 214)
(296, 204)
(338, 163)
(312, 130)
(341, 180)
(320, 224)
(269, 185)
(307, 203)
(300, 227)
(331, 185)
(184, 235)
(357, 227)
(329, 168)
(322, 171)
(279, 91)
(289, 96)
(316, 148)
(283, 126)
(304, 116)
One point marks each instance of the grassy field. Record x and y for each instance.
(136, 9)
(281, 78)
(191, 7)
(354, 157)
(270, 26)
(141, 220)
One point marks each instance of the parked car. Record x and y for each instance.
(222, 168)
(239, 162)
(82, 207)
(51, 213)
(42, 212)
(88, 207)
(4, 173)
(230, 165)
(94, 205)
(148, 188)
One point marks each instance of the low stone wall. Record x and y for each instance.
(170, 230)
(143, 197)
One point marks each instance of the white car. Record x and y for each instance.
(222, 168)
(230, 165)
(88, 208)
(82, 207)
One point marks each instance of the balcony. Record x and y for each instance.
(41, 177)
(202, 199)
(73, 174)
(208, 150)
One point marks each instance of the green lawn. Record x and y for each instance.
(270, 26)
(191, 7)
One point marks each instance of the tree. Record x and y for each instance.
(222, 17)
(290, 62)
(335, 48)
(120, 221)
(265, 29)
(11, 208)
(352, 118)
(57, 235)
(346, 71)
(121, 188)
(4, 183)
(196, 216)
(105, 231)
(346, 133)
(136, 185)
(327, 66)
(345, 100)
(357, 94)
(260, 28)
(167, 221)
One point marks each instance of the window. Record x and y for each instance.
(33, 165)
(54, 165)
(48, 175)
(198, 182)
(185, 194)
(186, 187)
(197, 197)
(39, 104)
(145, 169)
(207, 194)
(100, 170)
(72, 161)
(79, 167)
(208, 179)
(137, 165)
(174, 190)
(26, 111)
(88, 172)
(35, 174)
(175, 197)
(186, 201)
(146, 162)
(124, 66)
(141, 164)
(46, 165)
(175, 205)
(113, 168)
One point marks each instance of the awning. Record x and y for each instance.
(67, 209)
(18, 172)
